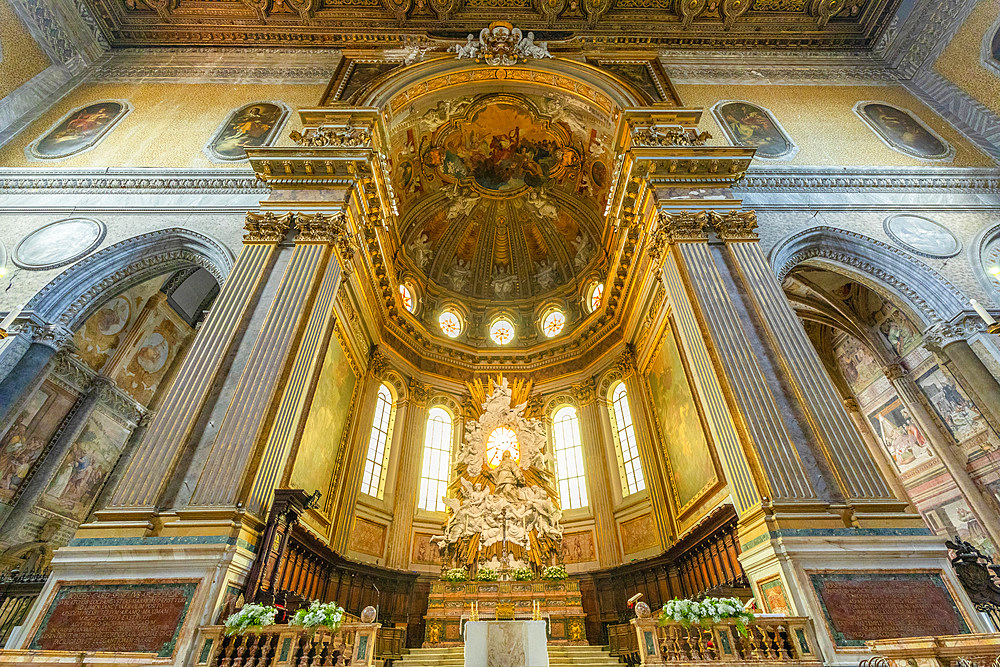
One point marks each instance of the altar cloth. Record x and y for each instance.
(506, 644)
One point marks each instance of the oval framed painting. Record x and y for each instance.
(753, 126)
(902, 131)
(78, 131)
(251, 126)
(59, 243)
(921, 236)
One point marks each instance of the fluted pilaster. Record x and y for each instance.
(408, 476)
(598, 477)
(156, 457)
(854, 467)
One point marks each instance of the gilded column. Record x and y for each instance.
(652, 464)
(691, 277)
(319, 229)
(157, 455)
(598, 479)
(951, 457)
(853, 465)
(234, 450)
(350, 466)
(408, 476)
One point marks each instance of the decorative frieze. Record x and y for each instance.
(657, 137)
(328, 136)
(266, 227)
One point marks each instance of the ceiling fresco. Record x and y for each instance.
(501, 194)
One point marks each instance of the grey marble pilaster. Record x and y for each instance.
(229, 459)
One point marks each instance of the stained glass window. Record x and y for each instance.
(451, 323)
(628, 449)
(501, 440)
(553, 323)
(407, 296)
(435, 472)
(502, 331)
(569, 459)
(378, 445)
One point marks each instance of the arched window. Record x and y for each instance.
(378, 444)
(569, 458)
(436, 470)
(629, 464)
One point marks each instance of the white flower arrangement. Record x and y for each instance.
(455, 574)
(487, 574)
(706, 612)
(327, 614)
(554, 572)
(522, 574)
(250, 618)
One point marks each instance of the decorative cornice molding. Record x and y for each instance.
(900, 179)
(266, 227)
(136, 181)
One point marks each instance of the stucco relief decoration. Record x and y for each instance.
(921, 235)
(59, 243)
(501, 44)
(502, 511)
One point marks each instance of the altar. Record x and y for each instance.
(506, 644)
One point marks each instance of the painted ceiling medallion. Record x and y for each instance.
(501, 44)
(59, 243)
(921, 235)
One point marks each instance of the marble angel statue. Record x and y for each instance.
(528, 48)
(468, 50)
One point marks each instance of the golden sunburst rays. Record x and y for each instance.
(520, 391)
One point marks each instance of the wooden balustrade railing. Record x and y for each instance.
(353, 645)
(784, 639)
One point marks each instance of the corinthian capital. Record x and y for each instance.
(418, 391)
(56, 336)
(585, 392)
(626, 362)
(376, 362)
(894, 372)
(735, 225)
(939, 336)
(266, 227)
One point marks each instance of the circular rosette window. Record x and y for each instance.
(502, 331)
(502, 440)
(450, 323)
(553, 323)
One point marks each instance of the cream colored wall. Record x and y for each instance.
(169, 124)
(22, 57)
(822, 123)
(960, 61)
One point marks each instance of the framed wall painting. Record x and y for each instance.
(753, 126)
(78, 131)
(59, 243)
(251, 126)
(902, 131)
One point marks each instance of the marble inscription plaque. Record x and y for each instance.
(144, 618)
(869, 605)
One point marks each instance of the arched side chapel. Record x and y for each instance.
(708, 426)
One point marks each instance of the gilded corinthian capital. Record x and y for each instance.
(418, 391)
(266, 227)
(734, 225)
(672, 227)
(585, 392)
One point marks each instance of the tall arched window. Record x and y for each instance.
(629, 464)
(435, 471)
(373, 480)
(569, 458)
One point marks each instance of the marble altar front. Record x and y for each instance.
(506, 644)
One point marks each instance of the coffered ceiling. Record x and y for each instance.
(568, 25)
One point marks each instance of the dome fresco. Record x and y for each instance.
(502, 194)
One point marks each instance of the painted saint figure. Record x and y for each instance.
(79, 131)
(252, 126)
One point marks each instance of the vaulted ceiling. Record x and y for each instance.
(569, 25)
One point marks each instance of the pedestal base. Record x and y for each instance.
(506, 644)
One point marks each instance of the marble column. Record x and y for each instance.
(157, 456)
(945, 449)
(855, 470)
(234, 451)
(950, 344)
(63, 439)
(408, 476)
(598, 478)
(34, 365)
(351, 459)
(652, 462)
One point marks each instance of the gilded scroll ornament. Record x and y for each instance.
(419, 392)
(328, 228)
(733, 225)
(550, 9)
(689, 10)
(732, 10)
(501, 44)
(162, 7)
(266, 227)
(264, 8)
(824, 10)
(659, 137)
(377, 364)
(682, 226)
(626, 362)
(595, 9)
(336, 137)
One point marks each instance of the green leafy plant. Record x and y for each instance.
(487, 574)
(705, 612)
(522, 574)
(554, 572)
(327, 614)
(455, 574)
(250, 618)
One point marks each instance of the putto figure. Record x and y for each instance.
(501, 44)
